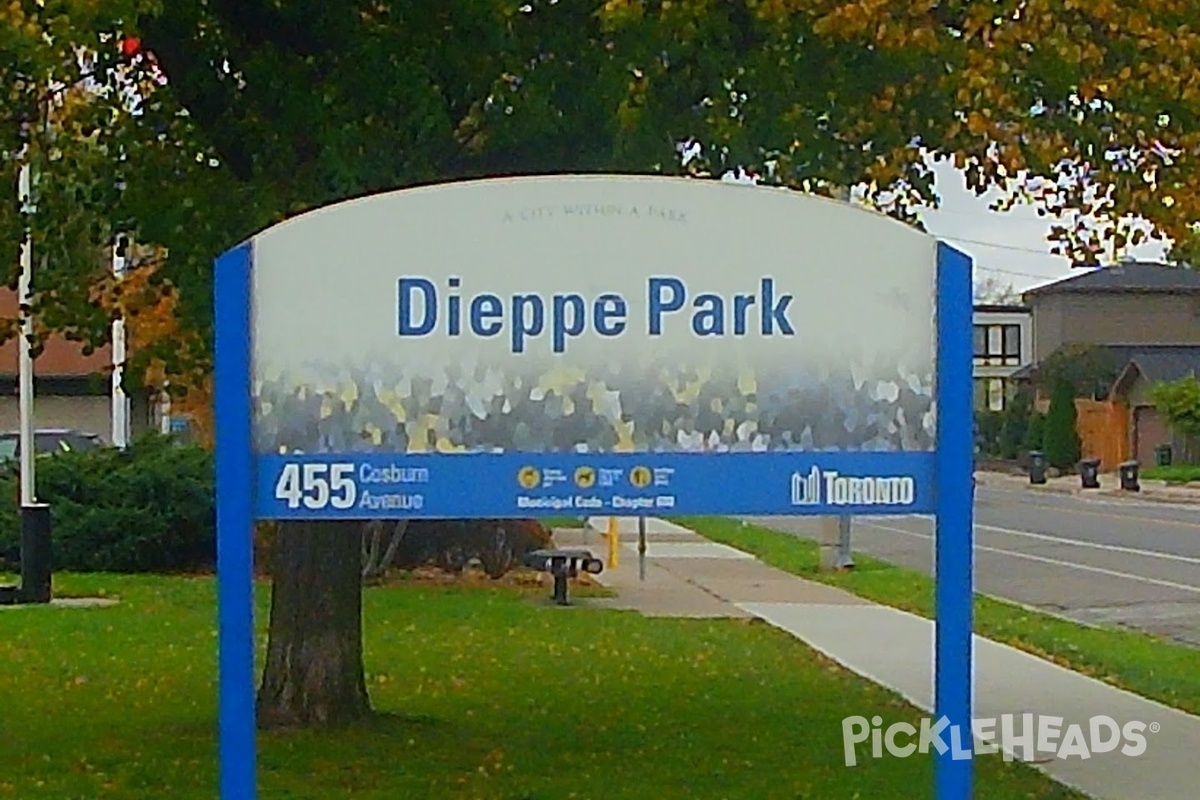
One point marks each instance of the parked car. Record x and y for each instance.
(48, 441)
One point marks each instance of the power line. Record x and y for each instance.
(1000, 246)
(992, 216)
(1015, 273)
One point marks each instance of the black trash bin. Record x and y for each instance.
(1037, 466)
(1129, 476)
(1162, 455)
(1089, 473)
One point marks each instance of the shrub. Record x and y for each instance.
(1035, 432)
(1061, 439)
(499, 544)
(148, 508)
(1179, 402)
(1014, 425)
(1176, 473)
(988, 425)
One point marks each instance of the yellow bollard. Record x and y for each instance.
(613, 543)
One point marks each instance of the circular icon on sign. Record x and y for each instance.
(529, 477)
(640, 477)
(585, 477)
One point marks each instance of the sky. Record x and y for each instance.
(1007, 247)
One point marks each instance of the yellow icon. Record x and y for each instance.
(529, 477)
(640, 477)
(585, 477)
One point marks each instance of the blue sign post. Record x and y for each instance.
(591, 345)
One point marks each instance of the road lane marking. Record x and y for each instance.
(1057, 562)
(1045, 537)
(1112, 548)
(1130, 504)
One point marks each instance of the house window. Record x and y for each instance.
(998, 345)
(995, 394)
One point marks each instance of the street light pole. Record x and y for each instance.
(120, 401)
(24, 351)
(36, 565)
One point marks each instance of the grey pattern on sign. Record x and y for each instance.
(557, 407)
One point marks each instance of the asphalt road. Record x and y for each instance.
(1107, 561)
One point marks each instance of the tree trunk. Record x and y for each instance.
(314, 670)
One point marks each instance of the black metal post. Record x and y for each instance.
(560, 588)
(36, 566)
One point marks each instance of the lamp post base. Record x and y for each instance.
(36, 557)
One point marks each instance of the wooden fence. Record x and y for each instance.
(1103, 427)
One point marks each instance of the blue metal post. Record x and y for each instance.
(235, 519)
(953, 662)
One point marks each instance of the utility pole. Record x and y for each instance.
(24, 348)
(34, 516)
(120, 401)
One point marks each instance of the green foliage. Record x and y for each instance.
(988, 425)
(1089, 370)
(1176, 473)
(1179, 402)
(250, 111)
(1014, 425)
(486, 693)
(147, 508)
(1062, 443)
(1035, 432)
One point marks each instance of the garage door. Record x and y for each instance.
(1150, 430)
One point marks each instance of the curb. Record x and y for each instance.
(1153, 494)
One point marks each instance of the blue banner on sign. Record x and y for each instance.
(380, 485)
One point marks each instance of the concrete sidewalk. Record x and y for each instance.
(1159, 491)
(687, 575)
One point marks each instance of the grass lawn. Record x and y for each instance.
(1176, 473)
(487, 693)
(563, 522)
(1142, 663)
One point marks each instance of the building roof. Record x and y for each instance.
(1157, 362)
(59, 358)
(997, 308)
(1131, 276)
(1163, 362)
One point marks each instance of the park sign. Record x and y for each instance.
(590, 345)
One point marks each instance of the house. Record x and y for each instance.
(1003, 345)
(1144, 367)
(1142, 319)
(1129, 303)
(72, 390)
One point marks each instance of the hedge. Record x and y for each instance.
(148, 508)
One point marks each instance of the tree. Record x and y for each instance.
(1179, 402)
(313, 674)
(1015, 424)
(248, 111)
(1062, 443)
(991, 291)
(1035, 433)
(1089, 370)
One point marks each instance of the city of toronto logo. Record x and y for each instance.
(1027, 737)
(819, 486)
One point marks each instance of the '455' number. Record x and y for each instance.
(317, 486)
